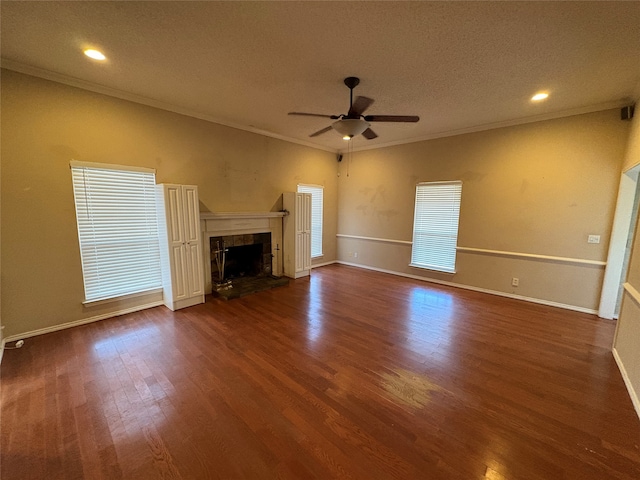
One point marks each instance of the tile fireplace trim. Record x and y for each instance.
(217, 224)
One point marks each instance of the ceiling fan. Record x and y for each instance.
(354, 122)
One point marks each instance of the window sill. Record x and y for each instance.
(104, 301)
(432, 269)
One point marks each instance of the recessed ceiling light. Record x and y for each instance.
(95, 54)
(539, 96)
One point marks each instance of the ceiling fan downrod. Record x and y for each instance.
(351, 83)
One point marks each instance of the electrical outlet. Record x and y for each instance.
(515, 282)
(593, 239)
(355, 254)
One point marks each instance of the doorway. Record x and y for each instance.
(619, 245)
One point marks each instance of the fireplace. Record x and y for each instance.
(253, 257)
(244, 256)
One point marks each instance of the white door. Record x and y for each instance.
(175, 225)
(306, 213)
(193, 248)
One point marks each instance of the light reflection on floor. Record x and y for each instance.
(105, 347)
(427, 331)
(315, 318)
(123, 408)
(410, 389)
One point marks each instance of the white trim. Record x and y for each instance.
(374, 239)
(316, 217)
(112, 92)
(77, 323)
(110, 166)
(433, 269)
(226, 215)
(324, 264)
(633, 293)
(532, 256)
(476, 289)
(220, 224)
(483, 251)
(506, 123)
(635, 400)
(620, 231)
(443, 182)
(103, 301)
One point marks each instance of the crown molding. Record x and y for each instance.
(112, 92)
(150, 102)
(503, 124)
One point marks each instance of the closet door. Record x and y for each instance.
(181, 246)
(193, 242)
(174, 206)
(300, 232)
(297, 234)
(306, 222)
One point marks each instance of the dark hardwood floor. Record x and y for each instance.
(351, 374)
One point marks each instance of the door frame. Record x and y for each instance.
(620, 232)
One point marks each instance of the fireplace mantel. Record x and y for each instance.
(227, 215)
(215, 224)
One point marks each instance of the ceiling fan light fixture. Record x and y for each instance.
(350, 127)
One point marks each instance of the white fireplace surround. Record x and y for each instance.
(217, 224)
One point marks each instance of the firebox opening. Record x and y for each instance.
(244, 261)
(240, 256)
(242, 264)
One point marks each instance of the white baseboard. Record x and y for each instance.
(476, 289)
(76, 323)
(635, 400)
(323, 264)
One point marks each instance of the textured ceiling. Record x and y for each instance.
(460, 66)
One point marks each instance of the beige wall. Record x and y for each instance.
(539, 188)
(46, 124)
(627, 341)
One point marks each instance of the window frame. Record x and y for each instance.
(96, 200)
(317, 203)
(445, 228)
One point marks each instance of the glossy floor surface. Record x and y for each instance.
(351, 374)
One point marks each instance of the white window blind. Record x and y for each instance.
(117, 229)
(316, 192)
(435, 225)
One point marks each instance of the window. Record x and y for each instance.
(435, 226)
(117, 229)
(316, 192)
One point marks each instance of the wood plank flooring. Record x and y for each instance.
(351, 374)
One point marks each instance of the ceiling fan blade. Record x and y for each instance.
(369, 134)
(391, 118)
(334, 117)
(320, 132)
(359, 106)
